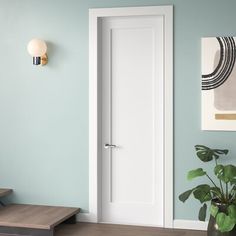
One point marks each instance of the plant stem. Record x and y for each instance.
(211, 180)
(232, 198)
(233, 189)
(221, 186)
(232, 193)
(217, 194)
(222, 190)
(222, 194)
(227, 192)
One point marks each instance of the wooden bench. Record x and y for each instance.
(34, 220)
(5, 192)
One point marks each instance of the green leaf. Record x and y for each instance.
(214, 210)
(202, 213)
(202, 193)
(225, 173)
(219, 171)
(184, 196)
(195, 173)
(206, 154)
(233, 181)
(221, 152)
(232, 212)
(224, 222)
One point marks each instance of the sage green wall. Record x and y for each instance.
(44, 111)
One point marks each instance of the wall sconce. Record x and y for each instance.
(37, 48)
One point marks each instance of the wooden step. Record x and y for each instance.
(11, 235)
(34, 219)
(5, 192)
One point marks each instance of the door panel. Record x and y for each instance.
(132, 119)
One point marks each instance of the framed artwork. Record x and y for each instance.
(219, 83)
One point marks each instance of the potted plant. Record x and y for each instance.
(220, 192)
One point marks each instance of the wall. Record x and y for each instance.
(44, 111)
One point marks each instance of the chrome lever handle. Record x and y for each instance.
(109, 146)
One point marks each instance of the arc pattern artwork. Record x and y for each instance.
(225, 65)
(218, 83)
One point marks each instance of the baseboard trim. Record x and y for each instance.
(177, 224)
(190, 224)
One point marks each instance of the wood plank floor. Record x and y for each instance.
(86, 229)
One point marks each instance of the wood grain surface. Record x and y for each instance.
(86, 229)
(35, 217)
(5, 191)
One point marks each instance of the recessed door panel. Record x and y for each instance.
(132, 119)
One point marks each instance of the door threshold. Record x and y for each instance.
(131, 224)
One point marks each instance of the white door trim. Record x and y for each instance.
(94, 115)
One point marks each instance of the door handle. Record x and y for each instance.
(109, 146)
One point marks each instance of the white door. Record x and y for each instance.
(131, 60)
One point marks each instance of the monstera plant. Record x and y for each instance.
(219, 190)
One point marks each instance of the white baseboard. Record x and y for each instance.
(190, 224)
(177, 224)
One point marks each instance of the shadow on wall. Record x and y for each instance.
(56, 55)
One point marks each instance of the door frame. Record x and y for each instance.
(95, 112)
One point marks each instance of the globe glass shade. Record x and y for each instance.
(37, 47)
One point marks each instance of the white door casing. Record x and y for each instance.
(151, 26)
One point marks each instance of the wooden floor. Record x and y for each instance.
(85, 229)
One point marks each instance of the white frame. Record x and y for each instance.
(94, 178)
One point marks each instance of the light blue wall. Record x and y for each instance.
(44, 111)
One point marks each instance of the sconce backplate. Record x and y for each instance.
(44, 59)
